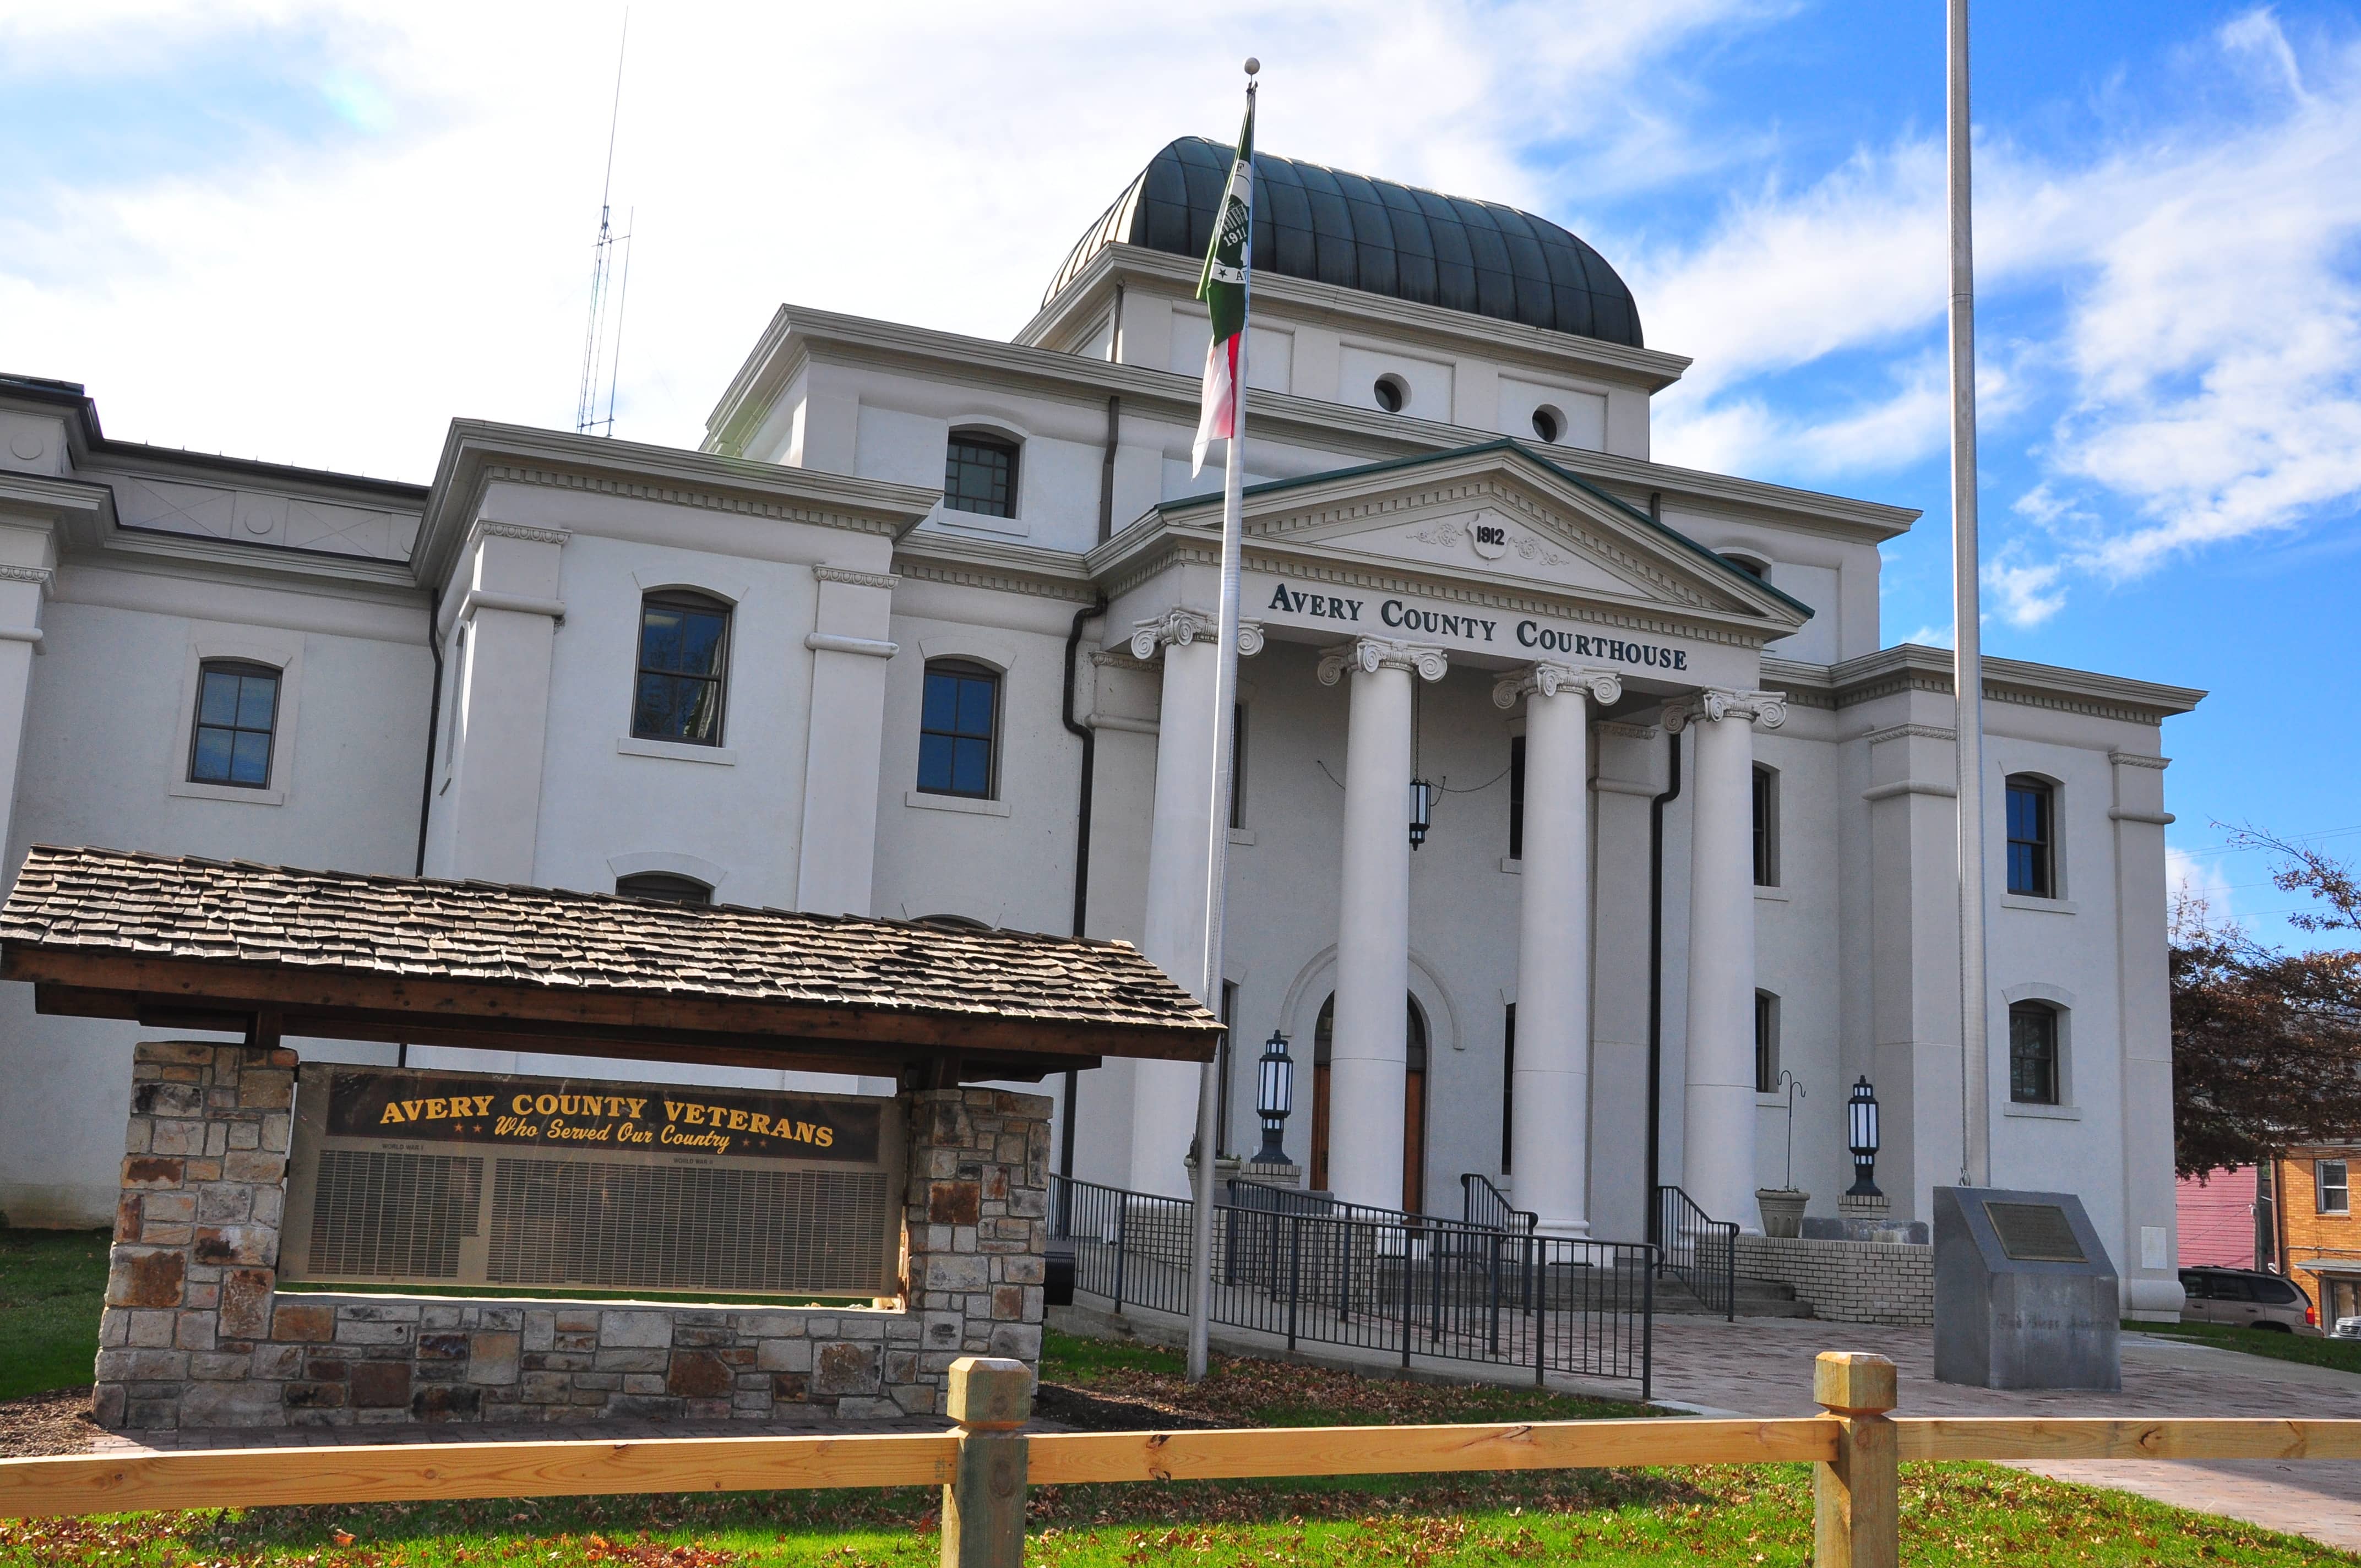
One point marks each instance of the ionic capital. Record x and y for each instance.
(1180, 626)
(1715, 704)
(1370, 654)
(1546, 677)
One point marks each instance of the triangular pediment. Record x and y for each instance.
(1500, 516)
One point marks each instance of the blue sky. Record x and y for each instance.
(315, 233)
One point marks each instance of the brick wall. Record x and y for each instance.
(1847, 1282)
(2309, 1235)
(196, 1333)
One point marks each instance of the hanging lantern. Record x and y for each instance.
(1274, 1098)
(1860, 1114)
(1422, 811)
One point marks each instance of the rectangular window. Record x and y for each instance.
(2031, 864)
(1238, 765)
(2033, 1054)
(1766, 828)
(1508, 1083)
(237, 715)
(1766, 1043)
(1517, 798)
(684, 645)
(956, 725)
(980, 475)
(2335, 1192)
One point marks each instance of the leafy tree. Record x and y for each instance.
(2266, 1043)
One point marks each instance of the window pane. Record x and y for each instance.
(257, 695)
(669, 708)
(976, 478)
(2020, 870)
(935, 764)
(972, 768)
(675, 638)
(975, 706)
(941, 707)
(251, 758)
(2232, 1287)
(217, 701)
(2032, 1056)
(2020, 813)
(212, 765)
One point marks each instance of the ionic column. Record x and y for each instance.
(1367, 1049)
(1551, 1137)
(1163, 1107)
(1718, 1159)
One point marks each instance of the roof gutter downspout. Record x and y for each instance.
(433, 733)
(1089, 739)
(1657, 805)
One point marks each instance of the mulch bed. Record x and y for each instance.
(55, 1422)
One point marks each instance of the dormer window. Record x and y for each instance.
(980, 474)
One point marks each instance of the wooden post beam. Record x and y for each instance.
(983, 1505)
(1856, 1512)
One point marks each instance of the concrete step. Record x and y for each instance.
(1755, 1298)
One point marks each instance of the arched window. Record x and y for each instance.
(683, 667)
(980, 474)
(2032, 836)
(238, 722)
(1766, 1043)
(2033, 1053)
(958, 723)
(1766, 825)
(665, 886)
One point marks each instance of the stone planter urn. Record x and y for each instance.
(1782, 1210)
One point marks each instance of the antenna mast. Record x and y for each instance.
(597, 353)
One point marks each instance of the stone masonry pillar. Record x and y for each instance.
(977, 1227)
(184, 1340)
(1551, 1155)
(1717, 1164)
(1366, 1045)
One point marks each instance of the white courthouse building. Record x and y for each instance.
(923, 630)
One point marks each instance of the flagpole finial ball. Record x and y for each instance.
(1254, 66)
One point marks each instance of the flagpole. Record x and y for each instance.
(1217, 828)
(1967, 633)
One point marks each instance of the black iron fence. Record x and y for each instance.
(1699, 1251)
(1481, 1203)
(1302, 1269)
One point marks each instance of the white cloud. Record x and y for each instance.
(2205, 383)
(2202, 880)
(335, 305)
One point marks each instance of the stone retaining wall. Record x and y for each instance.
(196, 1333)
(1847, 1282)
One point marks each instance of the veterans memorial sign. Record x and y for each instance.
(595, 1184)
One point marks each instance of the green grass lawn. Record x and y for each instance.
(51, 1285)
(1958, 1513)
(2344, 1355)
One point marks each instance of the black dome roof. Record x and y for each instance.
(1373, 235)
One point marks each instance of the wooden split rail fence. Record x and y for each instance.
(986, 1463)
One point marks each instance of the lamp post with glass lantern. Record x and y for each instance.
(1274, 1098)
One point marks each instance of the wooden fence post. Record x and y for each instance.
(1856, 1513)
(983, 1505)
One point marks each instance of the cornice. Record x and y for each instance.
(1911, 732)
(1908, 667)
(928, 556)
(477, 455)
(1624, 730)
(796, 335)
(489, 528)
(1528, 347)
(2139, 760)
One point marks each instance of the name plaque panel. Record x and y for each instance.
(595, 1184)
(2035, 1232)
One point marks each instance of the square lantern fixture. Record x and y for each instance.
(1422, 811)
(1861, 1118)
(1274, 1098)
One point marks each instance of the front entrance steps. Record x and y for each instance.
(1755, 1298)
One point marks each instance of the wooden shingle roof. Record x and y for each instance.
(172, 939)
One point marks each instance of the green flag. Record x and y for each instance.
(1223, 287)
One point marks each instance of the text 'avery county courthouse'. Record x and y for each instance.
(921, 606)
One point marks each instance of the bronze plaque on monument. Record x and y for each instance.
(590, 1183)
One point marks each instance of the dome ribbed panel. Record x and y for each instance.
(1353, 232)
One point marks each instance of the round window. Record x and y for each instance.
(1547, 423)
(1392, 393)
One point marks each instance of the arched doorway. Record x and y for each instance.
(1413, 1198)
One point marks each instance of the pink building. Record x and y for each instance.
(2217, 1219)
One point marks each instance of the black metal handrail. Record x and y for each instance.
(1699, 1250)
(1307, 1267)
(1481, 1203)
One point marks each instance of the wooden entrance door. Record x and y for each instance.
(1413, 1105)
